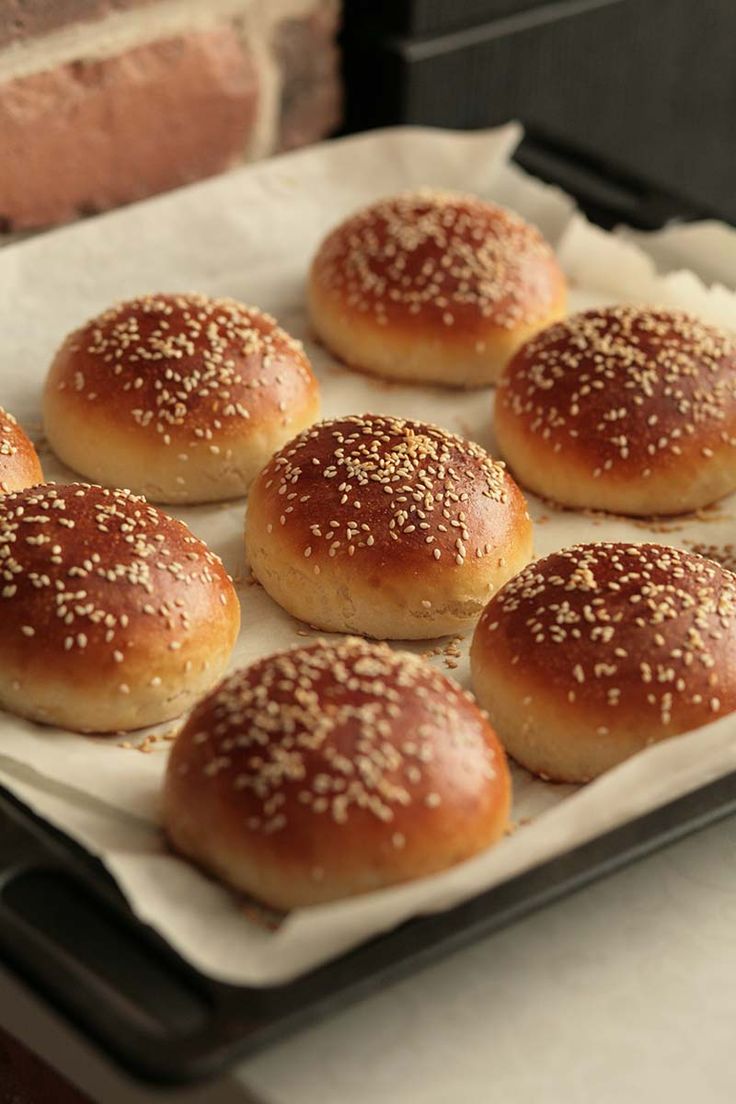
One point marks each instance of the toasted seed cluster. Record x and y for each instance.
(723, 554)
(8, 430)
(626, 627)
(19, 463)
(630, 388)
(185, 365)
(337, 730)
(386, 484)
(81, 565)
(8, 443)
(439, 255)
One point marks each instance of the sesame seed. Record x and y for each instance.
(439, 255)
(74, 585)
(284, 751)
(417, 485)
(647, 626)
(183, 360)
(624, 386)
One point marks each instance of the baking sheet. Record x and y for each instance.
(250, 235)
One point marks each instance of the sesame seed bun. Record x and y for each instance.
(628, 409)
(179, 397)
(331, 770)
(433, 287)
(385, 527)
(592, 653)
(112, 615)
(19, 463)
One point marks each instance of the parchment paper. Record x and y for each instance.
(250, 234)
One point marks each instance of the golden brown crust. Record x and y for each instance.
(112, 615)
(433, 286)
(594, 652)
(385, 527)
(19, 463)
(190, 395)
(334, 769)
(629, 409)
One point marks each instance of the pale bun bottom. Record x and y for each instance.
(181, 472)
(451, 359)
(553, 739)
(339, 599)
(693, 482)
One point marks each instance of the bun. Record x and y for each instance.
(331, 770)
(179, 397)
(19, 463)
(112, 615)
(592, 653)
(433, 287)
(385, 527)
(628, 409)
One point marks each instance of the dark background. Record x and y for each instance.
(640, 91)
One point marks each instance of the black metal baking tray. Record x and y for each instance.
(557, 65)
(420, 18)
(66, 929)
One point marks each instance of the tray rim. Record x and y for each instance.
(184, 1063)
(384, 959)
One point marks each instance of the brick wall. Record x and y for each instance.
(106, 101)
